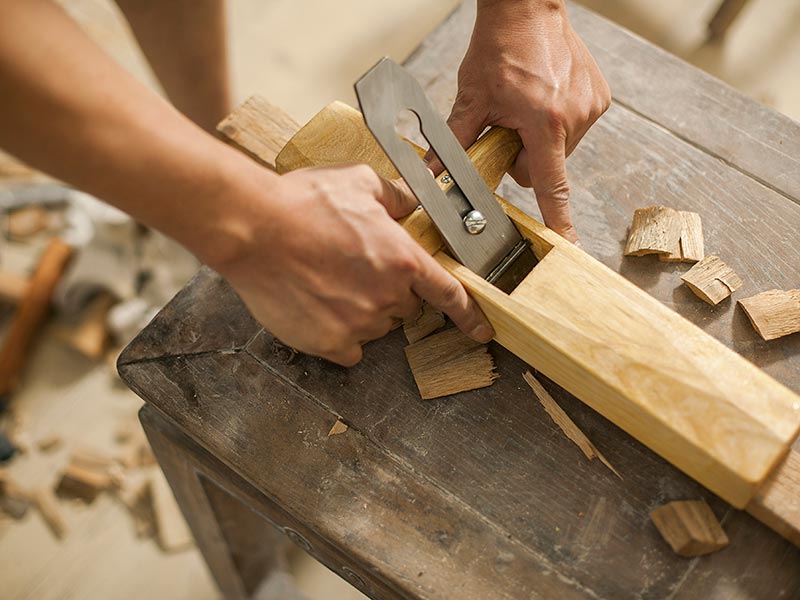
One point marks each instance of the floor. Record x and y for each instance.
(301, 64)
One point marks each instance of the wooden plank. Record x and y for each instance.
(709, 114)
(608, 346)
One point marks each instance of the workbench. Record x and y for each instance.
(480, 495)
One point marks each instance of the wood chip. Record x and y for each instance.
(89, 335)
(47, 505)
(81, 482)
(654, 230)
(91, 459)
(172, 531)
(712, 280)
(691, 247)
(567, 425)
(49, 443)
(430, 319)
(449, 362)
(689, 527)
(775, 313)
(338, 427)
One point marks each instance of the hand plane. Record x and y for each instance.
(473, 225)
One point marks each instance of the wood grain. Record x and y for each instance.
(689, 527)
(774, 313)
(654, 230)
(448, 363)
(712, 280)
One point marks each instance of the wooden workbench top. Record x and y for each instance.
(480, 495)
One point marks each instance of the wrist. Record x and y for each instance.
(238, 210)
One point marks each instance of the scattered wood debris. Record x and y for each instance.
(567, 425)
(48, 507)
(82, 482)
(691, 247)
(49, 443)
(689, 527)
(712, 280)
(89, 335)
(655, 230)
(429, 320)
(449, 362)
(172, 531)
(774, 313)
(338, 427)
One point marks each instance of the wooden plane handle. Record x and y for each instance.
(494, 153)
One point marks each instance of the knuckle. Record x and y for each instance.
(451, 293)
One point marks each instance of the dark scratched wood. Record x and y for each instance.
(479, 495)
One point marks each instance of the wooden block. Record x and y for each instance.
(712, 280)
(689, 527)
(449, 362)
(775, 313)
(48, 507)
(90, 334)
(655, 230)
(88, 458)
(777, 501)
(691, 247)
(567, 425)
(259, 129)
(81, 482)
(172, 531)
(429, 320)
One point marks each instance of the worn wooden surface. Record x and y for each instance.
(480, 495)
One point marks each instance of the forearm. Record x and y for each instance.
(70, 111)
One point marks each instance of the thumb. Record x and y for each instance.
(466, 123)
(396, 197)
(548, 175)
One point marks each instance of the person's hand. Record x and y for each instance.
(327, 269)
(527, 69)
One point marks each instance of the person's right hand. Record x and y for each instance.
(327, 269)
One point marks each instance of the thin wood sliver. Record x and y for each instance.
(567, 425)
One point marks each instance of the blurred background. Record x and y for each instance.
(70, 401)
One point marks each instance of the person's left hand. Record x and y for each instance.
(527, 69)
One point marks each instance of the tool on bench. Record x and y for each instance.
(471, 222)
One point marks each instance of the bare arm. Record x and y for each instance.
(69, 110)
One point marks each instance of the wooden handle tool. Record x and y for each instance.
(30, 314)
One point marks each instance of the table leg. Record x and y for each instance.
(239, 546)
